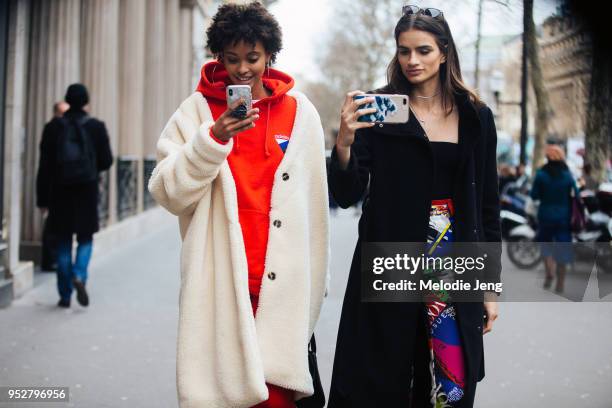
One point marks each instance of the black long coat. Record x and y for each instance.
(374, 351)
(72, 209)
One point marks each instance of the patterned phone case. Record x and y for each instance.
(235, 92)
(389, 108)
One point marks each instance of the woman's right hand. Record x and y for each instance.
(349, 124)
(349, 119)
(227, 126)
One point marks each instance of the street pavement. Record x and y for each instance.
(120, 351)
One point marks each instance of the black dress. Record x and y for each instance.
(446, 161)
(439, 372)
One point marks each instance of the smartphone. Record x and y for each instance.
(234, 93)
(389, 108)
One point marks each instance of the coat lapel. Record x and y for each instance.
(469, 129)
(410, 129)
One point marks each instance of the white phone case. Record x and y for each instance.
(389, 108)
(235, 92)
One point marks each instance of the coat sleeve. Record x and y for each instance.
(535, 188)
(45, 168)
(349, 185)
(574, 186)
(188, 160)
(490, 204)
(104, 154)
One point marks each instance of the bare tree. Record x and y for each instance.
(359, 48)
(598, 133)
(479, 37)
(537, 82)
(477, 46)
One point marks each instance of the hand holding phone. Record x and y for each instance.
(227, 125)
(351, 111)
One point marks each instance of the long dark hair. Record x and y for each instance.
(450, 72)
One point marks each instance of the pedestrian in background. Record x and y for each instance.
(430, 180)
(59, 108)
(73, 150)
(251, 197)
(506, 175)
(587, 181)
(48, 260)
(553, 186)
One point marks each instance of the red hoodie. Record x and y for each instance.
(254, 157)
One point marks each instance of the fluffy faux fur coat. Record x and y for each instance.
(225, 355)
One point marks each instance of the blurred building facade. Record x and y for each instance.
(565, 57)
(139, 60)
(566, 65)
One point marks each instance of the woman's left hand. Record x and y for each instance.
(491, 311)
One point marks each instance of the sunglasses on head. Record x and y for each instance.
(429, 11)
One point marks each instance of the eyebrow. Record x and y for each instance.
(401, 47)
(251, 53)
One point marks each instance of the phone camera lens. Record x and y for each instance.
(231, 92)
(404, 101)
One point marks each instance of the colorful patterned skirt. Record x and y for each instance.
(446, 366)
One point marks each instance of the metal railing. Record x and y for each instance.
(103, 197)
(127, 182)
(148, 166)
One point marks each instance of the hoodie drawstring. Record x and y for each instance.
(236, 143)
(267, 152)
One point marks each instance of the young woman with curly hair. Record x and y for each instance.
(251, 197)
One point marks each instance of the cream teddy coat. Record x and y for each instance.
(225, 356)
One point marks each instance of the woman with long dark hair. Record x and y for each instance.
(433, 178)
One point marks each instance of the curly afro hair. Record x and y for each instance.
(244, 22)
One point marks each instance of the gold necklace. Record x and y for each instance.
(428, 97)
(422, 121)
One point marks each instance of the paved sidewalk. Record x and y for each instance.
(120, 352)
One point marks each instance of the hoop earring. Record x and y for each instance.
(213, 74)
(268, 68)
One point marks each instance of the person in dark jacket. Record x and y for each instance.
(49, 241)
(553, 186)
(432, 178)
(71, 201)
